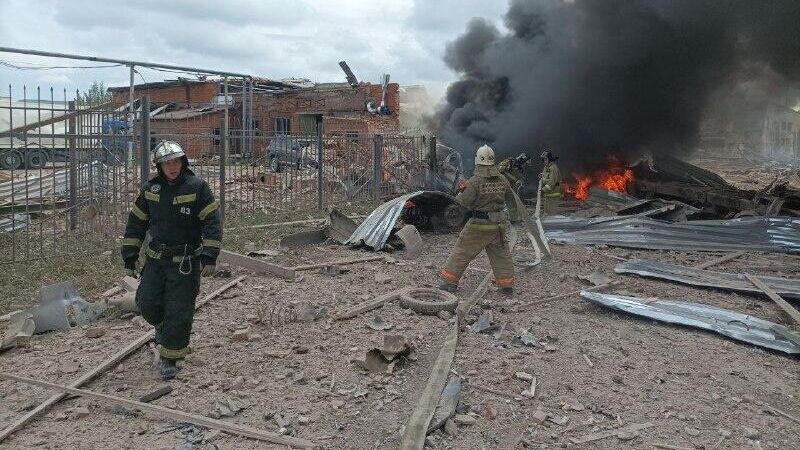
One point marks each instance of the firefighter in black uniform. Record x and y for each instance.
(182, 217)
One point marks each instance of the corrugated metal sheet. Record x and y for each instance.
(741, 327)
(375, 230)
(776, 234)
(786, 287)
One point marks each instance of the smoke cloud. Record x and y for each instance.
(587, 78)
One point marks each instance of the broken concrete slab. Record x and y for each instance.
(95, 332)
(412, 241)
(21, 325)
(595, 278)
(464, 419)
(395, 345)
(446, 408)
(125, 302)
(304, 238)
(340, 227)
(61, 307)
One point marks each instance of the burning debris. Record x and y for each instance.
(591, 78)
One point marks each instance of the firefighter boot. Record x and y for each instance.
(447, 286)
(167, 368)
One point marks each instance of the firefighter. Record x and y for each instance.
(180, 214)
(487, 195)
(551, 183)
(514, 169)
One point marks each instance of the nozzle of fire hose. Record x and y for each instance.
(409, 204)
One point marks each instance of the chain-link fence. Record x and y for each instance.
(70, 170)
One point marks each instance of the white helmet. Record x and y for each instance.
(167, 150)
(484, 156)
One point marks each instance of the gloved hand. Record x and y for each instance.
(130, 267)
(209, 266)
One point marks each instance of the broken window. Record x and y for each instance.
(282, 125)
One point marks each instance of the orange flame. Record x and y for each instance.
(615, 178)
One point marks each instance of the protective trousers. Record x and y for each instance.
(166, 300)
(474, 238)
(550, 203)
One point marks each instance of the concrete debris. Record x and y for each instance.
(464, 419)
(395, 345)
(155, 394)
(20, 326)
(241, 335)
(450, 428)
(378, 324)
(303, 238)
(751, 433)
(483, 323)
(558, 420)
(79, 412)
(126, 302)
(525, 339)
(446, 407)
(595, 278)
(412, 241)
(539, 416)
(61, 308)
(95, 332)
(628, 435)
(228, 407)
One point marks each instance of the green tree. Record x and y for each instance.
(95, 95)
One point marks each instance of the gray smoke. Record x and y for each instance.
(587, 78)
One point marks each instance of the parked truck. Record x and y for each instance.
(22, 147)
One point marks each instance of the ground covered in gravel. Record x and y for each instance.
(292, 373)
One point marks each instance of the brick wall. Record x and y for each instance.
(187, 95)
(196, 135)
(329, 103)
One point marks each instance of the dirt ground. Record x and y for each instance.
(697, 389)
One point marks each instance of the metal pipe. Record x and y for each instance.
(224, 153)
(131, 113)
(119, 61)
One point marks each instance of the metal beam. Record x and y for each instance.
(121, 61)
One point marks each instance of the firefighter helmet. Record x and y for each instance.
(167, 150)
(484, 156)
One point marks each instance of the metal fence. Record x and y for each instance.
(69, 171)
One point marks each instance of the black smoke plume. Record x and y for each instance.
(587, 78)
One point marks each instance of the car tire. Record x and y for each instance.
(428, 301)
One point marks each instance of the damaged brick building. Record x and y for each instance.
(192, 111)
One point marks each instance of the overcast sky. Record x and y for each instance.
(272, 39)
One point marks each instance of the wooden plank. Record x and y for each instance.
(339, 263)
(785, 306)
(608, 433)
(256, 265)
(103, 366)
(173, 414)
(371, 304)
(720, 260)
